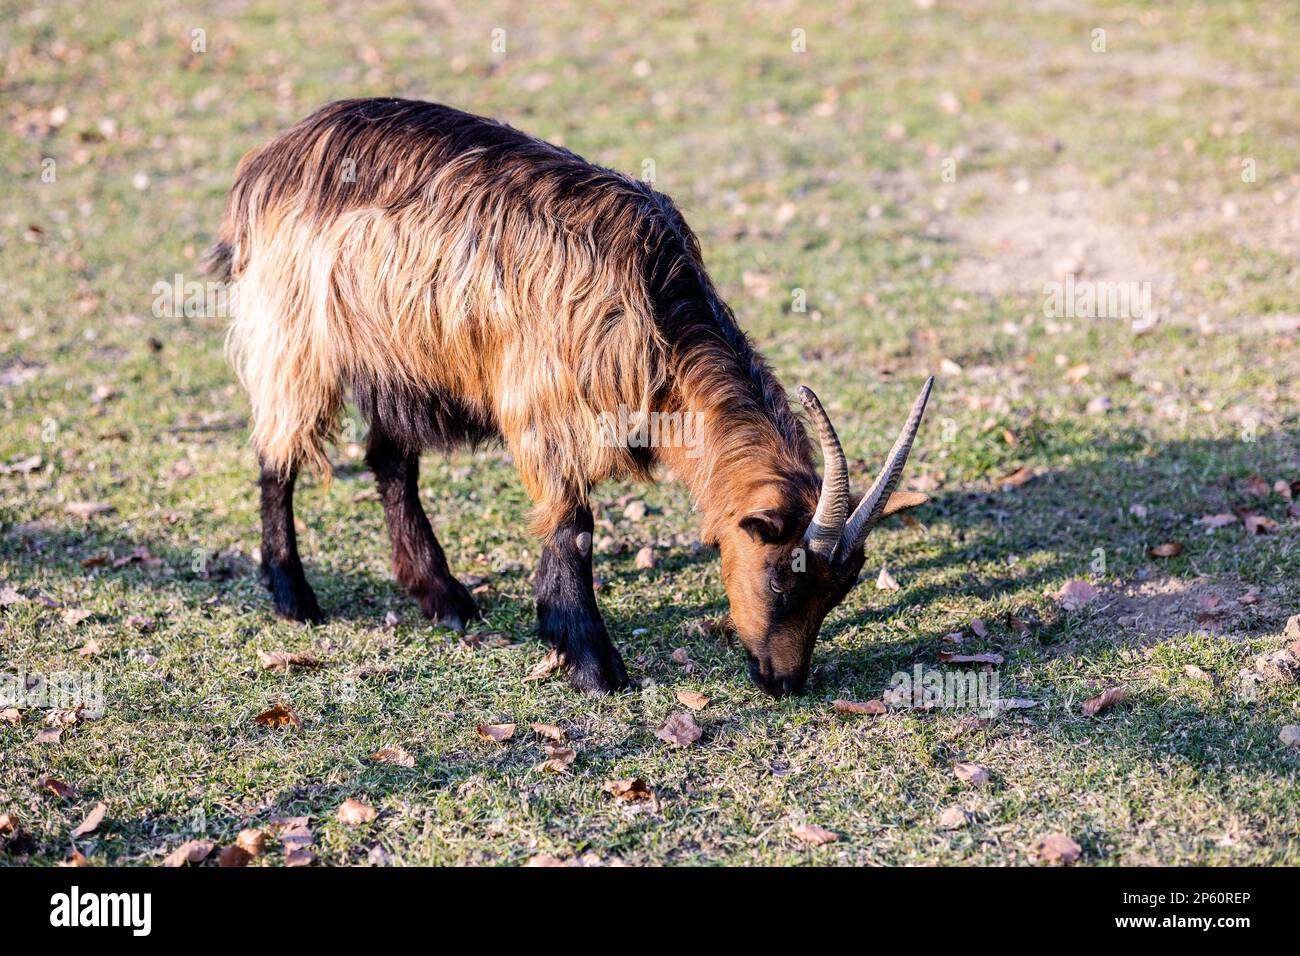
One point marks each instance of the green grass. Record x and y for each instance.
(738, 126)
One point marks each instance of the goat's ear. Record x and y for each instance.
(903, 501)
(766, 526)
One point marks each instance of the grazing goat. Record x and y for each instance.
(468, 281)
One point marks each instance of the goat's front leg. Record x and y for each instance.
(567, 616)
(281, 566)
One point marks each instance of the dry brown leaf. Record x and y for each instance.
(953, 818)
(978, 628)
(1257, 486)
(549, 731)
(903, 501)
(558, 759)
(1056, 848)
(681, 656)
(885, 581)
(681, 730)
(1170, 549)
(971, 773)
(547, 666)
(93, 819)
(76, 859)
(72, 616)
(251, 840)
(947, 657)
(354, 812)
(1015, 479)
(1259, 524)
(692, 699)
(814, 835)
(57, 787)
(7, 824)
(1191, 670)
(1290, 735)
(873, 708)
(191, 851)
(1107, 698)
(645, 559)
(393, 755)
(88, 509)
(1075, 594)
(631, 790)
(299, 856)
(11, 716)
(92, 648)
(234, 856)
(50, 735)
(1216, 521)
(279, 716)
(497, 733)
(285, 660)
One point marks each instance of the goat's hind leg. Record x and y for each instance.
(418, 560)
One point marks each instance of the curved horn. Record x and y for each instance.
(869, 510)
(833, 504)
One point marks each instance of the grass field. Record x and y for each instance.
(920, 172)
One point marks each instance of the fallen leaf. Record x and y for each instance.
(88, 509)
(72, 616)
(1194, 672)
(680, 656)
(497, 733)
(971, 773)
(8, 824)
(547, 666)
(873, 708)
(1107, 698)
(1015, 703)
(64, 717)
(954, 818)
(354, 812)
(393, 755)
(1170, 549)
(1216, 521)
(233, 856)
(76, 859)
(681, 730)
(558, 759)
(285, 660)
(191, 851)
(1015, 479)
(279, 716)
(692, 699)
(93, 819)
(1257, 486)
(978, 628)
(1075, 594)
(948, 658)
(57, 787)
(252, 841)
(92, 648)
(1259, 524)
(885, 581)
(814, 835)
(10, 596)
(11, 716)
(299, 856)
(1056, 848)
(630, 790)
(1290, 735)
(645, 559)
(50, 735)
(549, 731)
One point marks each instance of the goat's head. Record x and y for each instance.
(784, 573)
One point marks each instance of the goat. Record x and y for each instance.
(468, 281)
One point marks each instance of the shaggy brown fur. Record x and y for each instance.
(468, 260)
(465, 281)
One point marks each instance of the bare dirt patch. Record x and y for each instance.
(1161, 608)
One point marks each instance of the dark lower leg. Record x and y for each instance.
(567, 615)
(281, 567)
(418, 561)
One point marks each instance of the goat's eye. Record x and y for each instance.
(775, 590)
